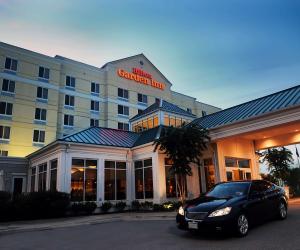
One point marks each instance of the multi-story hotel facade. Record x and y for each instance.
(45, 98)
(89, 131)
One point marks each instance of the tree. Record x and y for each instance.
(183, 146)
(294, 181)
(279, 161)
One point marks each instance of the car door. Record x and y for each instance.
(257, 202)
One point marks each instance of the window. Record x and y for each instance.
(123, 126)
(189, 110)
(157, 100)
(94, 123)
(123, 93)
(142, 98)
(171, 184)
(38, 136)
(32, 179)
(68, 120)
(44, 72)
(70, 81)
(8, 86)
(123, 110)
(143, 179)
(260, 186)
(42, 93)
(4, 133)
(94, 105)
(84, 180)
(3, 153)
(11, 64)
(140, 111)
(40, 114)
(42, 177)
(6, 108)
(53, 175)
(95, 88)
(229, 176)
(69, 100)
(115, 180)
(204, 113)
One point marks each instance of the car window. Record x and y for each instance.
(229, 189)
(260, 186)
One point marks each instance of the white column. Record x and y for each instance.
(100, 180)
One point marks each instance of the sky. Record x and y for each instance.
(221, 52)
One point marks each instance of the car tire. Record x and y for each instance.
(242, 224)
(282, 210)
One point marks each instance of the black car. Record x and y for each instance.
(234, 206)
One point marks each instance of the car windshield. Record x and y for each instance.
(229, 190)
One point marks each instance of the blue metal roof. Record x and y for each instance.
(113, 137)
(164, 106)
(284, 99)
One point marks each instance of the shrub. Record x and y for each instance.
(120, 206)
(168, 206)
(83, 207)
(106, 206)
(135, 205)
(5, 205)
(177, 204)
(147, 205)
(157, 207)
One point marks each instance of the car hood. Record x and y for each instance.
(206, 204)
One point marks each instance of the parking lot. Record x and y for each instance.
(156, 234)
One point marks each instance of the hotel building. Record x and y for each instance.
(89, 131)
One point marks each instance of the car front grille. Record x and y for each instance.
(195, 215)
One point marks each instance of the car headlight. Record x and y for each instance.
(181, 211)
(220, 212)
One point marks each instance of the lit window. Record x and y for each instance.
(123, 93)
(95, 88)
(6, 108)
(68, 120)
(40, 114)
(69, 100)
(94, 105)
(143, 179)
(11, 64)
(42, 93)
(53, 175)
(42, 177)
(94, 123)
(8, 86)
(123, 126)
(70, 81)
(115, 180)
(4, 133)
(32, 179)
(44, 72)
(84, 180)
(4, 153)
(123, 110)
(38, 136)
(142, 98)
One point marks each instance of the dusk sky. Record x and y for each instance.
(221, 52)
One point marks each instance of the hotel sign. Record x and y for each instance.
(141, 77)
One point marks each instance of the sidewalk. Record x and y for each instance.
(294, 201)
(33, 225)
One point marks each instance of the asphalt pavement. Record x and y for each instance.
(154, 234)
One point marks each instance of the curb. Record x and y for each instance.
(10, 229)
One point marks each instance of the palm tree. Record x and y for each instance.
(183, 146)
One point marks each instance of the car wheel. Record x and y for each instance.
(282, 213)
(242, 225)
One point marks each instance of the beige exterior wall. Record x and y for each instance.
(25, 102)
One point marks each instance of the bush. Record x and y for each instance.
(120, 206)
(84, 207)
(5, 205)
(135, 205)
(157, 207)
(147, 205)
(34, 205)
(106, 206)
(168, 206)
